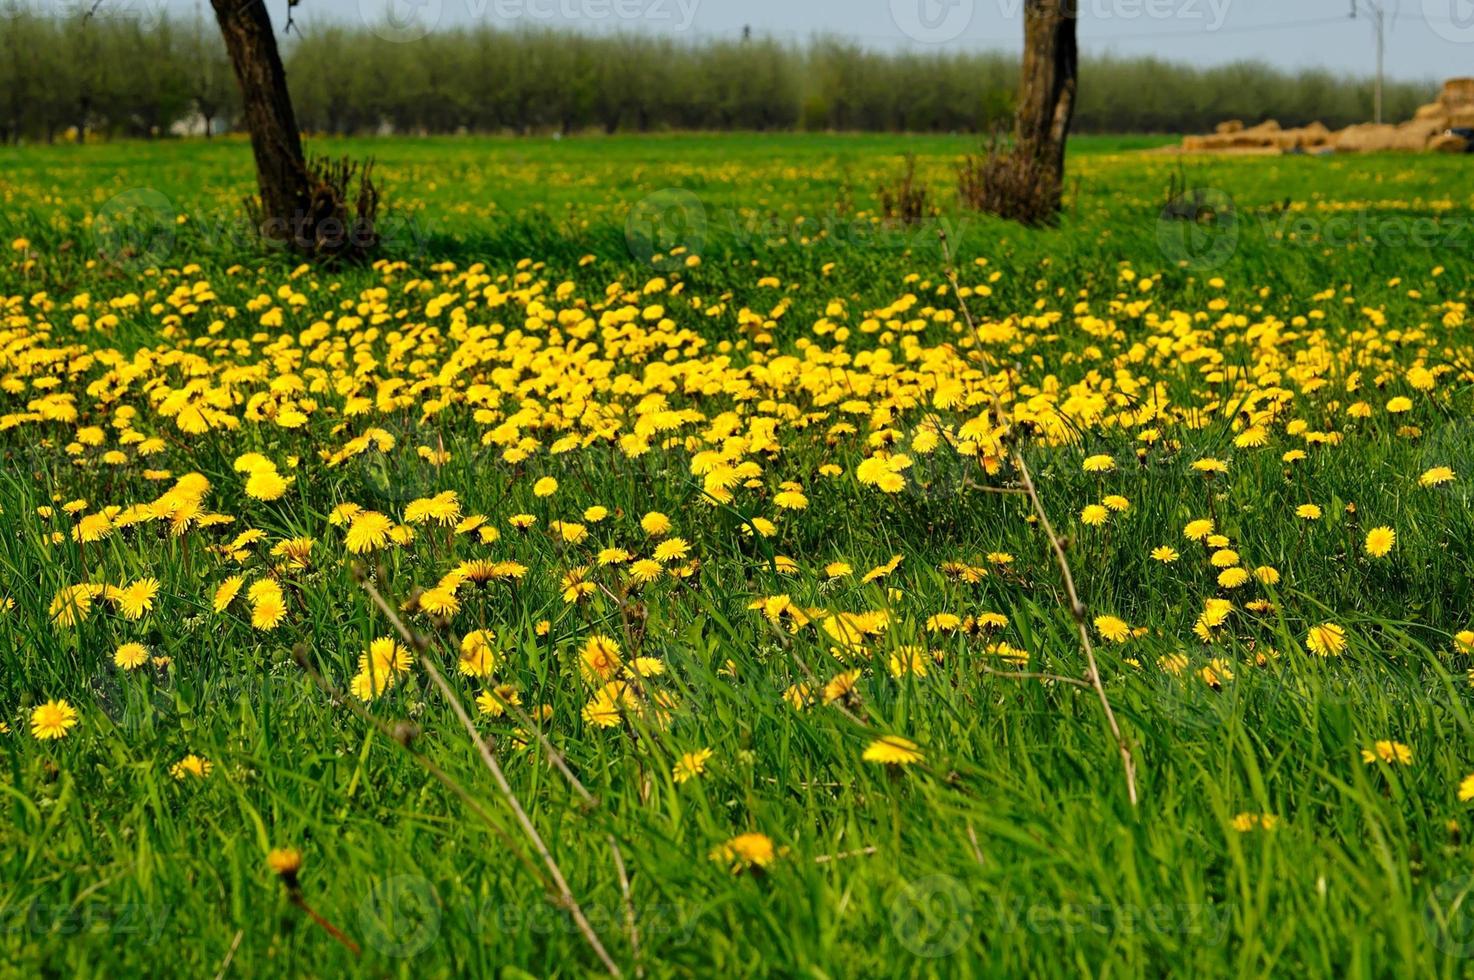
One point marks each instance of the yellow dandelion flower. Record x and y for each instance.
(386, 655)
(790, 500)
(1113, 629)
(1198, 530)
(909, 660)
(478, 655)
(443, 508)
(285, 863)
(1390, 752)
(1232, 578)
(745, 852)
(1327, 639)
(892, 750)
(439, 601)
(672, 549)
(267, 484)
(268, 612)
(655, 524)
(193, 766)
(131, 656)
(53, 720)
(368, 531)
(613, 556)
(645, 570)
(690, 765)
(1380, 540)
(840, 686)
(136, 598)
(226, 593)
(1247, 822)
(599, 659)
(493, 703)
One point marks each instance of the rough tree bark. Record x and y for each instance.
(281, 167)
(1047, 89)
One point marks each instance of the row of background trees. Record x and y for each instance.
(116, 76)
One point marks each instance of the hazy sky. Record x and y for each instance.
(1425, 38)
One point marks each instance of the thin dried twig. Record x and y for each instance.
(862, 852)
(1078, 611)
(230, 953)
(972, 835)
(1077, 608)
(1020, 675)
(401, 738)
(590, 801)
(631, 928)
(564, 893)
(295, 897)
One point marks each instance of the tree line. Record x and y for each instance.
(117, 77)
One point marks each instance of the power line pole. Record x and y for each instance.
(1377, 10)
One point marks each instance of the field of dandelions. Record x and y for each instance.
(635, 569)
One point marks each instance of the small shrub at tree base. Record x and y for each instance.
(907, 200)
(1010, 184)
(333, 227)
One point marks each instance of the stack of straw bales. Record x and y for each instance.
(1427, 131)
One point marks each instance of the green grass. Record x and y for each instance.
(1013, 848)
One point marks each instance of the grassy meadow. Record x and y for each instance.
(694, 487)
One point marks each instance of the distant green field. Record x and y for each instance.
(556, 200)
(679, 452)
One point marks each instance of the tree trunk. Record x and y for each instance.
(281, 168)
(1047, 89)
